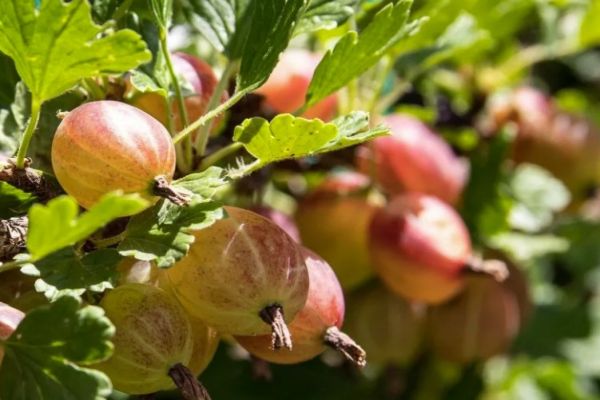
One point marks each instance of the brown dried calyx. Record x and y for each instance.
(189, 387)
(343, 343)
(28, 180)
(13, 232)
(280, 334)
(162, 188)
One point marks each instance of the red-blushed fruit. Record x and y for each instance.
(334, 220)
(550, 138)
(389, 328)
(153, 338)
(104, 146)
(10, 318)
(413, 159)
(475, 325)
(286, 88)
(316, 326)
(199, 76)
(419, 246)
(282, 220)
(243, 275)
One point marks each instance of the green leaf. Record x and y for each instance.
(460, 40)
(164, 232)
(525, 248)
(65, 270)
(271, 30)
(57, 225)
(325, 14)
(59, 44)
(41, 357)
(287, 136)
(538, 196)
(486, 203)
(224, 23)
(162, 10)
(14, 201)
(354, 54)
(205, 184)
(557, 322)
(589, 33)
(145, 84)
(14, 119)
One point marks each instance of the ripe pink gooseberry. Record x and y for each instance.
(316, 326)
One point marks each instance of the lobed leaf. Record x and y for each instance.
(224, 23)
(164, 232)
(57, 224)
(65, 270)
(41, 356)
(272, 27)
(287, 136)
(59, 44)
(354, 53)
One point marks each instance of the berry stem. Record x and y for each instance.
(204, 131)
(36, 108)
(187, 144)
(162, 188)
(343, 343)
(188, 385)
(280, 336)
(218, 155)
(209, 115)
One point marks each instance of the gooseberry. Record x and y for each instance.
(419, 245)
(316, 326)
(333, 221)
(477, 324)
(104, 146)
(153, 338)
(389, 328)
(413, 159)
(243, 275)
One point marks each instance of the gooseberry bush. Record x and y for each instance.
(324, 199)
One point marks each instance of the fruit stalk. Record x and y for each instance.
(162, 188)
(219, 154)
(204, 132)
(36, 108)
(280, 336)
(188, 385)
(208, 116)
(187, 145)
(343, 343)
